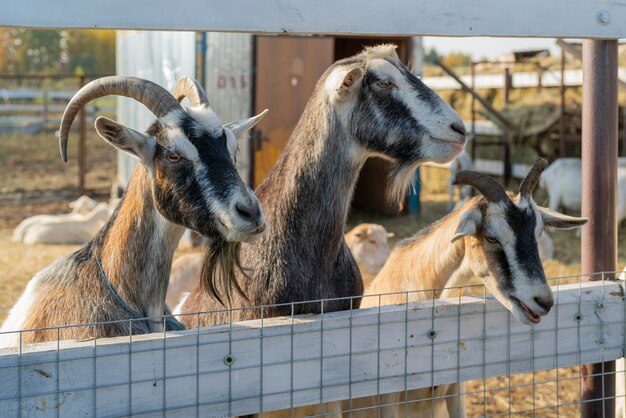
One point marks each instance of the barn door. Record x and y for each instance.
(287, 69)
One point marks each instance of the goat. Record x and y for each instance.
(186, 178)
(185, 273)
(462, 162)
(82, 205)
(563, 182)
(368, 104)
(75, 228)
(369, 247)
(492, 237)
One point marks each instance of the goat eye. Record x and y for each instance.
(384, 84)
(492, 240)
(174, 157)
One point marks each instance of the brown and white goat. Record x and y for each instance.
(493, 238)
(186, 178)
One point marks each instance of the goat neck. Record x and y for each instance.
(136, 248)
(411, 260)
(315, 179)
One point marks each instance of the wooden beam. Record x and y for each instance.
(531, 18)
(282, 362)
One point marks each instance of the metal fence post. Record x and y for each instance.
(599, 197)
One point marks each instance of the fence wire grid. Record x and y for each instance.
(461, 356)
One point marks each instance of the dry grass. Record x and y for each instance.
(37, 168)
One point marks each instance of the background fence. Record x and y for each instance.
(283, 363)
(31, 107)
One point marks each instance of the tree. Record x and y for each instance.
(457, 59)
(91, 50)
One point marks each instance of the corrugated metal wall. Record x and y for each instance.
(229, 83)
(161, 57)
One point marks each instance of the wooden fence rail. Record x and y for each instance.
(277, 363)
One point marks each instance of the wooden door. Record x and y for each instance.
(287, 69)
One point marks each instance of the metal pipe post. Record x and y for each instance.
(507, 85)
(562, 120)
(599, 198)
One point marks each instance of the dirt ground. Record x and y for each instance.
(515, 395)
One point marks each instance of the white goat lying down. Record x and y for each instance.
(73, 228)
(494, 237)
(77, 229)
(82, 205)
(563, 182)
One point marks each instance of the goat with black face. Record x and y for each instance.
(186, 178)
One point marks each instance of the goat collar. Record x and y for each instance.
(169, 319)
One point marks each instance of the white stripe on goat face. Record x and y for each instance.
(442, 141)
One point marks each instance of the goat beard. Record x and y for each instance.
(219, 271)
(400, 181)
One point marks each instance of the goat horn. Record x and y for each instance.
(486, 185)
(191, 89)
(527, 187)
(154, 97)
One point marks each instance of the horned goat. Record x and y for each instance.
(186, 178)
(492, 237)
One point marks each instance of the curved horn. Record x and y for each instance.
(154, 97)
(486, 185)
(191, 89)
(527, 187)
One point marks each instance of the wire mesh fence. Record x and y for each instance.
(465, 355)
(31, 107)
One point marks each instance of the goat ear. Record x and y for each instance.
(391, 234)
(555, 219)
(241, 127)
(468, 224)
(349, 81)
(125, 139)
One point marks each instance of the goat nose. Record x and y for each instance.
(247, 211)
(459, 128)
(544, 302)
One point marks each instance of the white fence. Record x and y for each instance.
(279, 363)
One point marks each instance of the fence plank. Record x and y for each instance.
(322, 358)
(557, 18)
